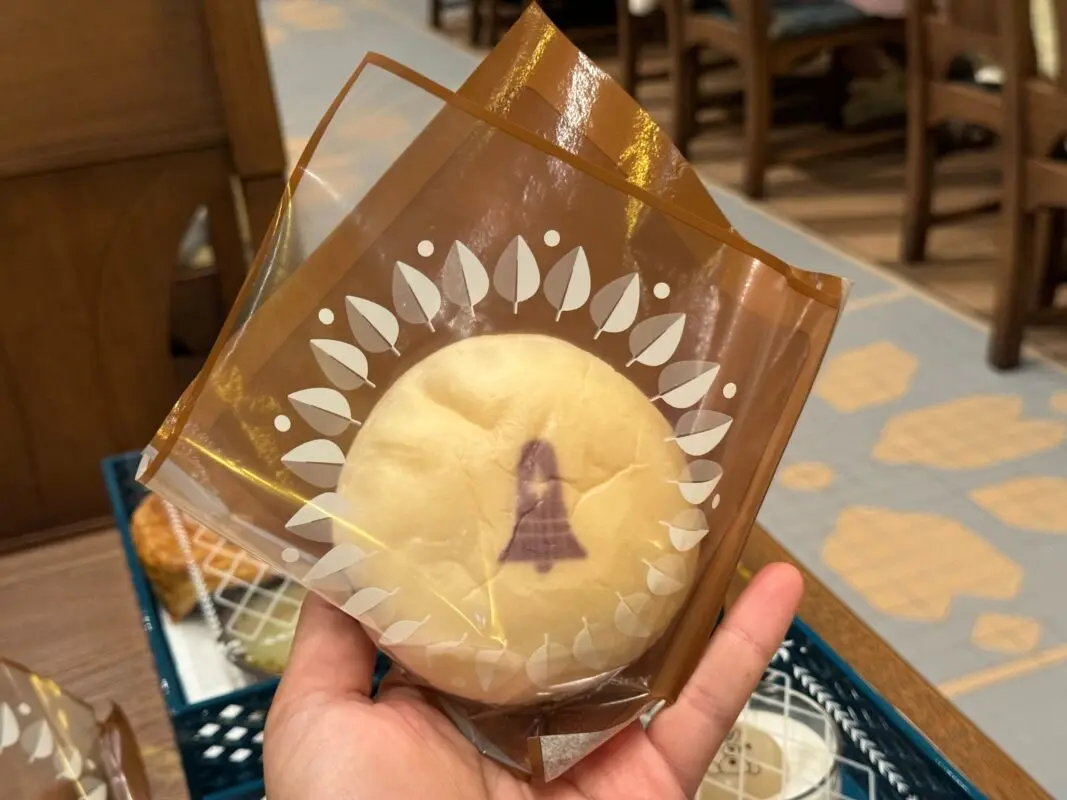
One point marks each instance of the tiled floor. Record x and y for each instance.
(925, 489)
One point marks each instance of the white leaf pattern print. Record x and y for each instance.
(374, 326)
(488, 664)
(415, 297)
(699, 432)
(441, 648)
(314, 520)
(367, 599)
(93, 789)
(614, 308)
(318, 462)
(666, 575)
(539, 664)
(699, 480)
(9, 727)
(334, 560)
(342, 363)
(585, 650)
(37, 740)
(653, 341)
(463, 278)
(68, 763)
(516, 277)
(568, 283)
(685, 383)
(325, 410)
(627, 616)
(400, 632)
(687, 529)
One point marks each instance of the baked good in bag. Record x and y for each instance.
(165, 564)
(517, 502)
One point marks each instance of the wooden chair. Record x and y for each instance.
(486, 19)
(109, 143)
(1029, 115)
(765, 39)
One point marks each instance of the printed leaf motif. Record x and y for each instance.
(314, 520)
(487, 664)
(343, 363)
(325, 410)
(336, 559)
(516, 277)
(93, 789)
(9, 727)
(666, 575)
(463, 278)
(318, 462)
(374, 326)
(699, 432)
(687, 529)
(415, 297)
(434, 650)
(400, 632)
(68, 763)
(585, 650)
(539, 664)
(367, 599)
(626, 616)
(37, 740)
(699, 480)
(614, 308)
(653, 341)
(568, 283)
(685, 383)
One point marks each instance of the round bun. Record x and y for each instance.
(512, 494)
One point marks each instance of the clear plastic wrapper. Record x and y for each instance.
(54, 747)
(508, 408)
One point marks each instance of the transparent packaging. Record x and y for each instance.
(507, 408)
(55, 747)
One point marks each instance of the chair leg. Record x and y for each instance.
(1052, 225)
(628, 45)
(683, 76)
(475, 27)
(493, 19)
(757, 124)
(1014, 286)
(435, 14)
(918, 197)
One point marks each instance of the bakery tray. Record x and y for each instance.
(879, 754)
(220, 740)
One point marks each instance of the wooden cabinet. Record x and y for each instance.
(119, 119)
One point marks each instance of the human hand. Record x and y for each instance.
(326, 740)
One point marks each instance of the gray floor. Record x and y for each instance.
(918, 483)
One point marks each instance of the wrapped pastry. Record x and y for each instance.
(166, 565)
(506, 393)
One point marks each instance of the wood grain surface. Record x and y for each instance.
(70, 613)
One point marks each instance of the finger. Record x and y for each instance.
(331, 655)
(689, 733)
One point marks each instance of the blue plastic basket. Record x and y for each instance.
(221, 740)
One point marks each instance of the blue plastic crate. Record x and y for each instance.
(220, 740)
(906, 766)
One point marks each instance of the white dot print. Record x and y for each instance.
(425, 248)
(551, 238)
(661, 290)
(729, 390)
(716, 500)
(290, 555)
(24, 709)
(325, 316)
(282, 423)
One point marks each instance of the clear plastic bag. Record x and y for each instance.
(508, 409)
(54, 747)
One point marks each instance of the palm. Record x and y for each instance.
(325, 738)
